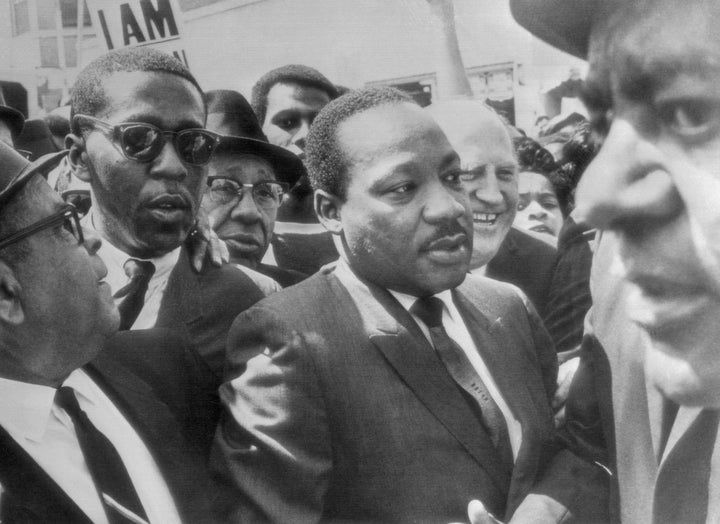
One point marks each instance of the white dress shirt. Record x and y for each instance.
(115, 260)
(457, 330)
(46, 432)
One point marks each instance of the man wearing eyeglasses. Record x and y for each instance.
(82, 439)
(138, 138)
(248, 178)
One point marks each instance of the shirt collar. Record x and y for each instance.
(115, 259)
(25, 408)
(343, 271)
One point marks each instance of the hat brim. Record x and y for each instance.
(565, 24)
(287, 166)
(13, 117)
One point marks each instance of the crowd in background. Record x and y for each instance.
(330, 304)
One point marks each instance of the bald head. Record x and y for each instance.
(486, 153)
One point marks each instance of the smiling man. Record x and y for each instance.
(490, 177)
(138, 138)
(385, 389)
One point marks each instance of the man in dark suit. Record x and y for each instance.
(69, 416)
(138, 139)
(385, 389)
(649, 382)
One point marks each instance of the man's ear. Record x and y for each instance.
(327, 209)
(77, 156)
(11, 310)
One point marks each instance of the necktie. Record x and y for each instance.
(140, 272)
(429, 310)
(105, 465)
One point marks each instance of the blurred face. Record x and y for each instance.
(406, 221)
(291, 109)
(656, 184)
(145, 209)
(67, 305)
(489, 175)
(538, 209)
(244, 223)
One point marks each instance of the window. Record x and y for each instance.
(46, 14)
(68, 13)
(20, 16)
(70, 51)
(49, 52)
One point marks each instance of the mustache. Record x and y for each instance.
(444, 230)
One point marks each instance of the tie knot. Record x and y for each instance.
(66, 399)
(135, 268)
(429, 310)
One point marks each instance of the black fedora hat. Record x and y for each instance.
(14, 171)
(565, 24)
(11, 116)
(230, 115)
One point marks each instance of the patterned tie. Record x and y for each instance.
(118, 494)
(139, 272)
(429, 310)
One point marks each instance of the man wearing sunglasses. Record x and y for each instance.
(69, 413)
(138, 138)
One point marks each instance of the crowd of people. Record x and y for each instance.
(326, 304)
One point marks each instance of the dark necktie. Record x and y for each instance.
(140, 272)
(429, 310)
(105, 465)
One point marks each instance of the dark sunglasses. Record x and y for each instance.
(143, 142)
(266, 194)
(67, 217)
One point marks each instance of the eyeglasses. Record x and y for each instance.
(67, 217)
(143, 142)
(265, 194)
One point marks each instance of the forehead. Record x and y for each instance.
(643, 47)
(287, 95)
(153, 97)
(391, 130)
(241, 167)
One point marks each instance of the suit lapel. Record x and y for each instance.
(159, 430)
(28, 491)
(182, 285)
(395, 334)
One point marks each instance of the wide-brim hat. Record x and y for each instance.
(13, 172)
(230, 115)
(14, 119)
(565, 24)
(36, 138)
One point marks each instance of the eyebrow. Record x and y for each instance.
(157, 121)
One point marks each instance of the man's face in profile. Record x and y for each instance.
(654, 91)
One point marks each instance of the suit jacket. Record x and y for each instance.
(348, 415)
(29, 495)
(615, 415)
(528, 263)
(201, 307)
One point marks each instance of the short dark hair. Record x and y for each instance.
(288, 74)
(577, 153)
(88, 93)
(324, 159)
(534, 157)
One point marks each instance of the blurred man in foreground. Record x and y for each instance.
(651, 369)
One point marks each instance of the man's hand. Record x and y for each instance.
(479, 515)
(204, 241)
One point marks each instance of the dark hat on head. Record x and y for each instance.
(230, 115)
(36, 138)
(565, 24)
(11, 116)
(13, 173)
